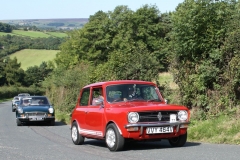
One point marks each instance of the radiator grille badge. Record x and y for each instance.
(159, 116)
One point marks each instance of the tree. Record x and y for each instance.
(37, 74)
(198, 63)
(2, 73)
(14, 74)
(109, 38)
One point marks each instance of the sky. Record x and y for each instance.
(54, 9)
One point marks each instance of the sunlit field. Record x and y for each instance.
(31, 57)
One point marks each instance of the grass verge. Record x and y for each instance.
(62, 117)
(223, 129)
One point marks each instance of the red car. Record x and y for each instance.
(124, 110)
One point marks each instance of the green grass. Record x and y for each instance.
(62, 117)
(222, 129)
(5, 99)
(31, 57)
(57, 34)
(33, 34)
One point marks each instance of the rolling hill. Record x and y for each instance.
(57, 24)
(31, 57)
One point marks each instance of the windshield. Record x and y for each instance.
(23, 94)
(132, 92)
(39, 101)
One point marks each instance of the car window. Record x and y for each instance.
(132, 91)
(96, 95)
(16, 98)
(34, 101)
(23, 94)
(113, 95)
(85, 97)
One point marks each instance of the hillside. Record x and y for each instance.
(31, 57)
(65, 24)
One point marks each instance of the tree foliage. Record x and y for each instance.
(5, 28)
(122, 44)
(14, 74)
(16, 43)
(199, 37)
(35, 75)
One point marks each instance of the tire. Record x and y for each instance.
(178, 141)
(76, 137)
(113, 139)
(19, 123)
(52, 123)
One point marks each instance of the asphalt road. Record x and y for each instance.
(39, 141)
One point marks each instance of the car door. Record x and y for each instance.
(82, 110)
(94, 116)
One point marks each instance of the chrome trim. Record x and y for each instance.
(141, 125)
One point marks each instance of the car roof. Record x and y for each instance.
(118, 82)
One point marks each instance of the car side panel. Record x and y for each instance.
(94, 120)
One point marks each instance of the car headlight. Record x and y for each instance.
(182, 115)
(133, 117)
(51, 110)
(20, 110)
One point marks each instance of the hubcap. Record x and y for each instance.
(74, 133)
(110, 138)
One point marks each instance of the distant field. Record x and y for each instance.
(57, 34)
(62, 23)
(35, 34)
(31, 33)
(32, 57)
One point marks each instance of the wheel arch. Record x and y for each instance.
(110, 122)
(79, 128)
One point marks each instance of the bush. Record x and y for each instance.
(11, 91)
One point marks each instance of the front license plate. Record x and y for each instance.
(35, 118)
(153, 130)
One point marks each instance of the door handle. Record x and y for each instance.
(86, 112)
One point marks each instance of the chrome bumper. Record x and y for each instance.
(157, 124)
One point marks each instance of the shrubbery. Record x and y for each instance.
(11, 91)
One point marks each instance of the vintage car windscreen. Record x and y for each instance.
(34, 101)
(131, 92)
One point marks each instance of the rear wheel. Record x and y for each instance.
(178, 141)
(76, 137)
(113, 139)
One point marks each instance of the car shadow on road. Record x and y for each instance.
(57, 123)
(135, 145)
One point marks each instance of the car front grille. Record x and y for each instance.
(153, 116)
(36, 114)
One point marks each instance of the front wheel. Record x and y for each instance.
(19, 123)
(13, 110)
(178, 141)
(52, 123)
(76, 137)
(113, 139)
